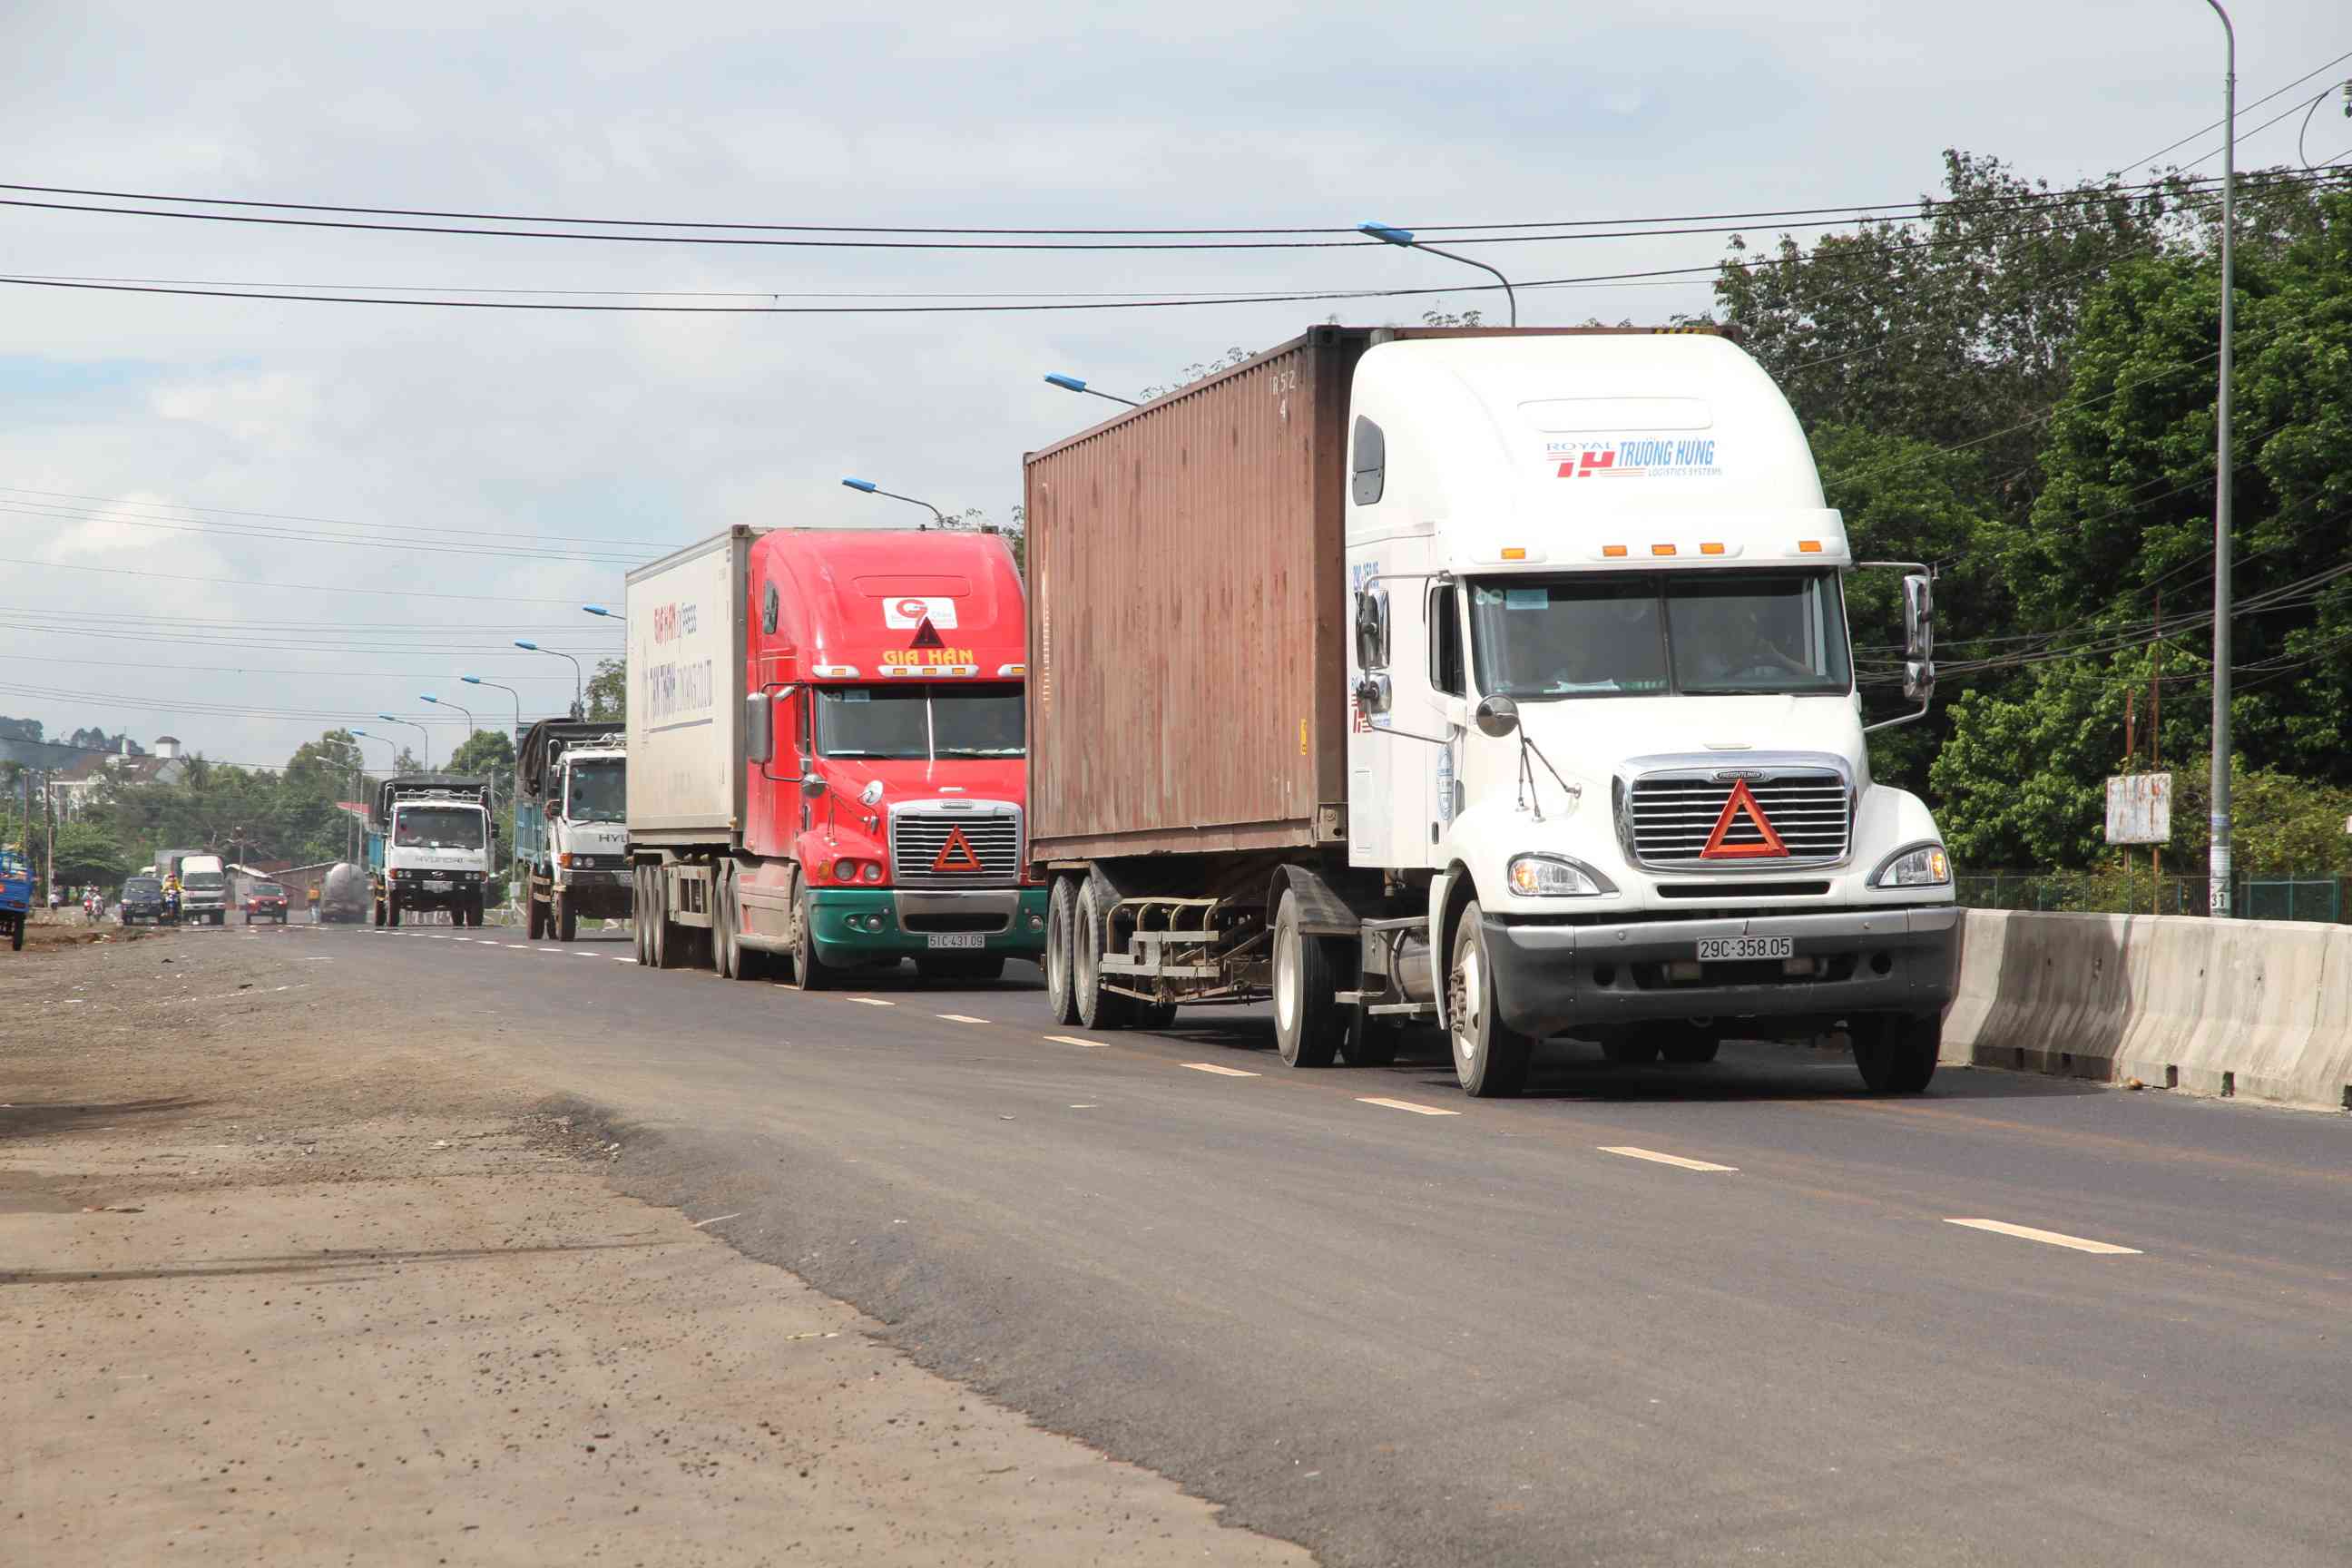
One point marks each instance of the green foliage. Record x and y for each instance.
(608, 690)
(87, 855)
(485, 753)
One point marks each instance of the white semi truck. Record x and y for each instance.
(1497, 679)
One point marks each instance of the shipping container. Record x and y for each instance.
(685, 719)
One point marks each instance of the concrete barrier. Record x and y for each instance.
(2261, 1009)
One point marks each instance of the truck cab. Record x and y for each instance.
(204, 889)
(572, 850)
(1607, 719)
(429, 847)
(887, 814)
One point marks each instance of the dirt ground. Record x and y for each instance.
(273, 1290)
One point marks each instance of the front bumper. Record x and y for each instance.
(1006, 919)
(1553, 979)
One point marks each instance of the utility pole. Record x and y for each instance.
(49, 824)
(2217, 867)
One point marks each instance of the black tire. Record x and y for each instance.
(16, 934)
(1490, 1057)
(1096, 1008)
(536, 922)
(565, 919)
(1896, 1053)
(1154, 1015)
(1630, 1049)
(378, 903)
(392, 908)
(1689, 1044)
(736, 962)
(1061, 987)
(668, 940)
(640, 931)
(810, 972)
(1307, 1018)
(1371, 1041)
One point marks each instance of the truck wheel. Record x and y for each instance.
(1061, 991)
(1689, 1044)
(809, 972)
(1097, 1008)
(1307, 1022)
(16, 934)
(537, 919)
(640, 929)
(566, 919)
(1490, 1057)
(1371, 1041)
(1154, 1014)
(391, 908)
(736, 962)
(668, 946)
(1896, 1053)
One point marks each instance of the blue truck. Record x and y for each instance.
(15, 897)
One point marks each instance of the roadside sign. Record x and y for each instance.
(2139, 808)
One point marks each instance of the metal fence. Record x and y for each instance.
(2322, 895)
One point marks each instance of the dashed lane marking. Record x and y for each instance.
(1074, 1040)
(1220, 1071)
(1405, 1105)
(1674, 1160)
(523, 945)
(961, 1018)
(869, 1001)
(2048, 1237)
(624, 959)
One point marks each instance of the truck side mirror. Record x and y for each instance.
(759, 729)
(1920, 680)
(1372, 629)
(1496, 717)
(1919, 618)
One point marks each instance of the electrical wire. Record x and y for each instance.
(285, 587)
(2218, 124)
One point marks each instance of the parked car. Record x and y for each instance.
(142, 899)
(265, 901)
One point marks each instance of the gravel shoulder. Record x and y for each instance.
(290, 1267)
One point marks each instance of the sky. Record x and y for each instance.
(242, 522)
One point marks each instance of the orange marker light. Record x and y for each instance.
(1513, 552)
(1809, 547)
(1612, 550)
(1661, 550)
(1710, 549)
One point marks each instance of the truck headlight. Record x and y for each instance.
(1913, 866)
(1557, 877)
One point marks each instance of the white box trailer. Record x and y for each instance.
(684, 723)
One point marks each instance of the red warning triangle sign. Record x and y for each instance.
(926, 636)
(956, 854)
(1767, 846)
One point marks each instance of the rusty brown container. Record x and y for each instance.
(1186, 672)
(1187, 612)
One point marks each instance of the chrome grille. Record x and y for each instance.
(1674, 815)
(919, 837)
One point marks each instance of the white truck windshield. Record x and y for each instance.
(438, 827)
(1699, 633)
(920, 723)
(599, 791)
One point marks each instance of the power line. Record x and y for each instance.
(2160, 152)
(931, 238)
(284, 587)
(468, 531)
(293, 536)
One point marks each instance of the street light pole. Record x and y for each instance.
(438, 702)
(1391, 235)
(510, 691)
(1072, 383)
(359, 781)
(421, 730)
(579, 680)
(2217, 867)
(868, 487)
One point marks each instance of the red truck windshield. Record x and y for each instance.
(920, 723)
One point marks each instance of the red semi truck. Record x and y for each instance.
(827, 765)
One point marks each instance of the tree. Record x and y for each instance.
(87, 855)
(490, 755)
(608, 690)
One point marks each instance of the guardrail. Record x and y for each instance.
(2299, 895)
(2258, 1009)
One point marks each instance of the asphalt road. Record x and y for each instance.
(1436, 1331)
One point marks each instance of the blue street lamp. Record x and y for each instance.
(608, 615)
(1391, 235)
(579, 680)
(428, 697)
(1072, 383)
(868, 487)
(391, 719)
(510, 691)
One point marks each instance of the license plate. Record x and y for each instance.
(435, 886)
(1730, 949)
(958, 939)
